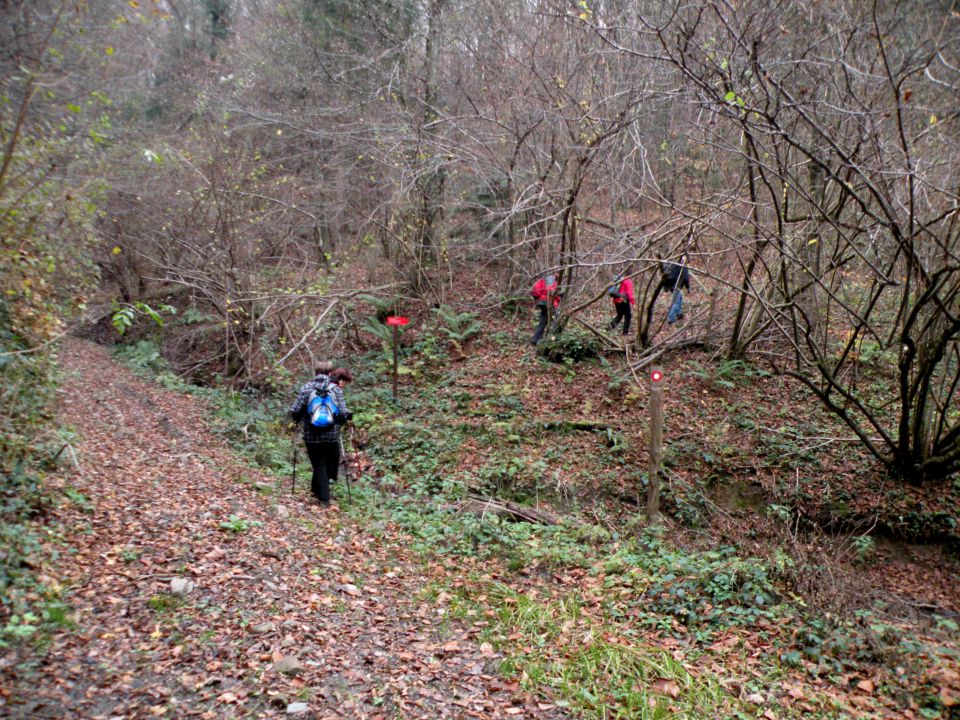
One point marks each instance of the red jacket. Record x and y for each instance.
(541, 290)
(625, 289)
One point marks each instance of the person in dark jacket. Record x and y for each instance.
(323, 444)
(543, 291)
(676, 278)
(623, 299)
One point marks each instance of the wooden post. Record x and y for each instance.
(656, 444)
(396, 330)
(395, 321)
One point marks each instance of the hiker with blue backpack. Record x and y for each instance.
(321, 409)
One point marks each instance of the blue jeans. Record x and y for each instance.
(676, 307)
(541, 325)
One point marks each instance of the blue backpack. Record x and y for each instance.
(322, 408)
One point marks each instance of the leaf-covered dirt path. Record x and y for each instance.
(295, 610)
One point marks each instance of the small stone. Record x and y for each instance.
(181, 586)
(297, 708)
(263, 627)
(288, 641)
(288, 665)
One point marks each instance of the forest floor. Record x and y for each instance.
(193, 594)
(197, 587)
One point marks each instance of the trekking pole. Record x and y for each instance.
(346, 467)
(356, 453)
(293, 475)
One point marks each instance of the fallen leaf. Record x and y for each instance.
(866, 686)
(666, 686)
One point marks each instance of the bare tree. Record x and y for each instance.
(842, 120)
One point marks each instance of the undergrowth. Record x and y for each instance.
(31, 446)
(598, 662)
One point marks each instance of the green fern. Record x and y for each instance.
(460, 327)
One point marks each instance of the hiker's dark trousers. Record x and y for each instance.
(541, 325)
(623, 313)
(325, 459)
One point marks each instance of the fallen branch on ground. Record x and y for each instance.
(482, 505)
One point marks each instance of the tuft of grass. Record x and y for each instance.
(560, 650)
(163, 602)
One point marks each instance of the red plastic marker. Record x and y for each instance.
(656, 376)
(397, 320)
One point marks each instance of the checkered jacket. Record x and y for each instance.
(298, 410)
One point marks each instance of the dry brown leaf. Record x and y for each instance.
(866, 686)
(666, 686)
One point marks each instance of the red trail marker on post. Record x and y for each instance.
(656, 445)
(395, 321)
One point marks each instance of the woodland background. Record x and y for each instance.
(233, 190)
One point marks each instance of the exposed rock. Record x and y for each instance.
(181, 586)
(288, 665)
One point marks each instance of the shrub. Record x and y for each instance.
(572, 345)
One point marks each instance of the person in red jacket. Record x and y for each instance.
(544, 290)
(623, 299)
